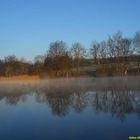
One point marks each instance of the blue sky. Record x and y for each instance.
(28, 26)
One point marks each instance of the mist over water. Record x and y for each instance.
(76, 108)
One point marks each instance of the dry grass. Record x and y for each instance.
(21, 77)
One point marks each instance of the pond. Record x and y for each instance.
(70, 109)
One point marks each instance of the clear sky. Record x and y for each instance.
(28, 26)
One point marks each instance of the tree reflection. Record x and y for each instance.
(59, 105)
(79, 102)
(64, 98)
(13, 98)
(118, 103)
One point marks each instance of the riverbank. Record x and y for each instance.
(93, 82)
(21, 77)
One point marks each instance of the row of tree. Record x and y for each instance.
(111, 56)
(11, 66)
(116, 52)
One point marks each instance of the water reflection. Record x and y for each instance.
(65, 97)
(118, 103)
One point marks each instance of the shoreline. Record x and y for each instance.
(71, 85)
(20, 77)
(37, 77)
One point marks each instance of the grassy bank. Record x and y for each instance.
(21, 77)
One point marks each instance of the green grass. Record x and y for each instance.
(87, 68)
(93, 68)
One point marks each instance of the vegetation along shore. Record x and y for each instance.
(117, 56)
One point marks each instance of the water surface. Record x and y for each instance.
(74, 109)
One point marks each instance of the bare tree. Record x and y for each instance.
(111, 48)
(137, 46)
(117, 44)
(39, 64)
(95, 51)
(57, 59)
(126, 51)
(10, 65)
(137, 41)
(120, 49)
(57, 48)
(103, 50)
(10, 58)
(78, 52)
(114, 45)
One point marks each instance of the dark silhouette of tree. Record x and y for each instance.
(110, 58)
(11, 66)
(136, 41)
(94, 51)
(39, 65)
(103, 50)
(77, 53)
(58, 59)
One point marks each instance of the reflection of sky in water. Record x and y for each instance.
(83, 112)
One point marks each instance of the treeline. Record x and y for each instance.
(110, 57)
(11, 66)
